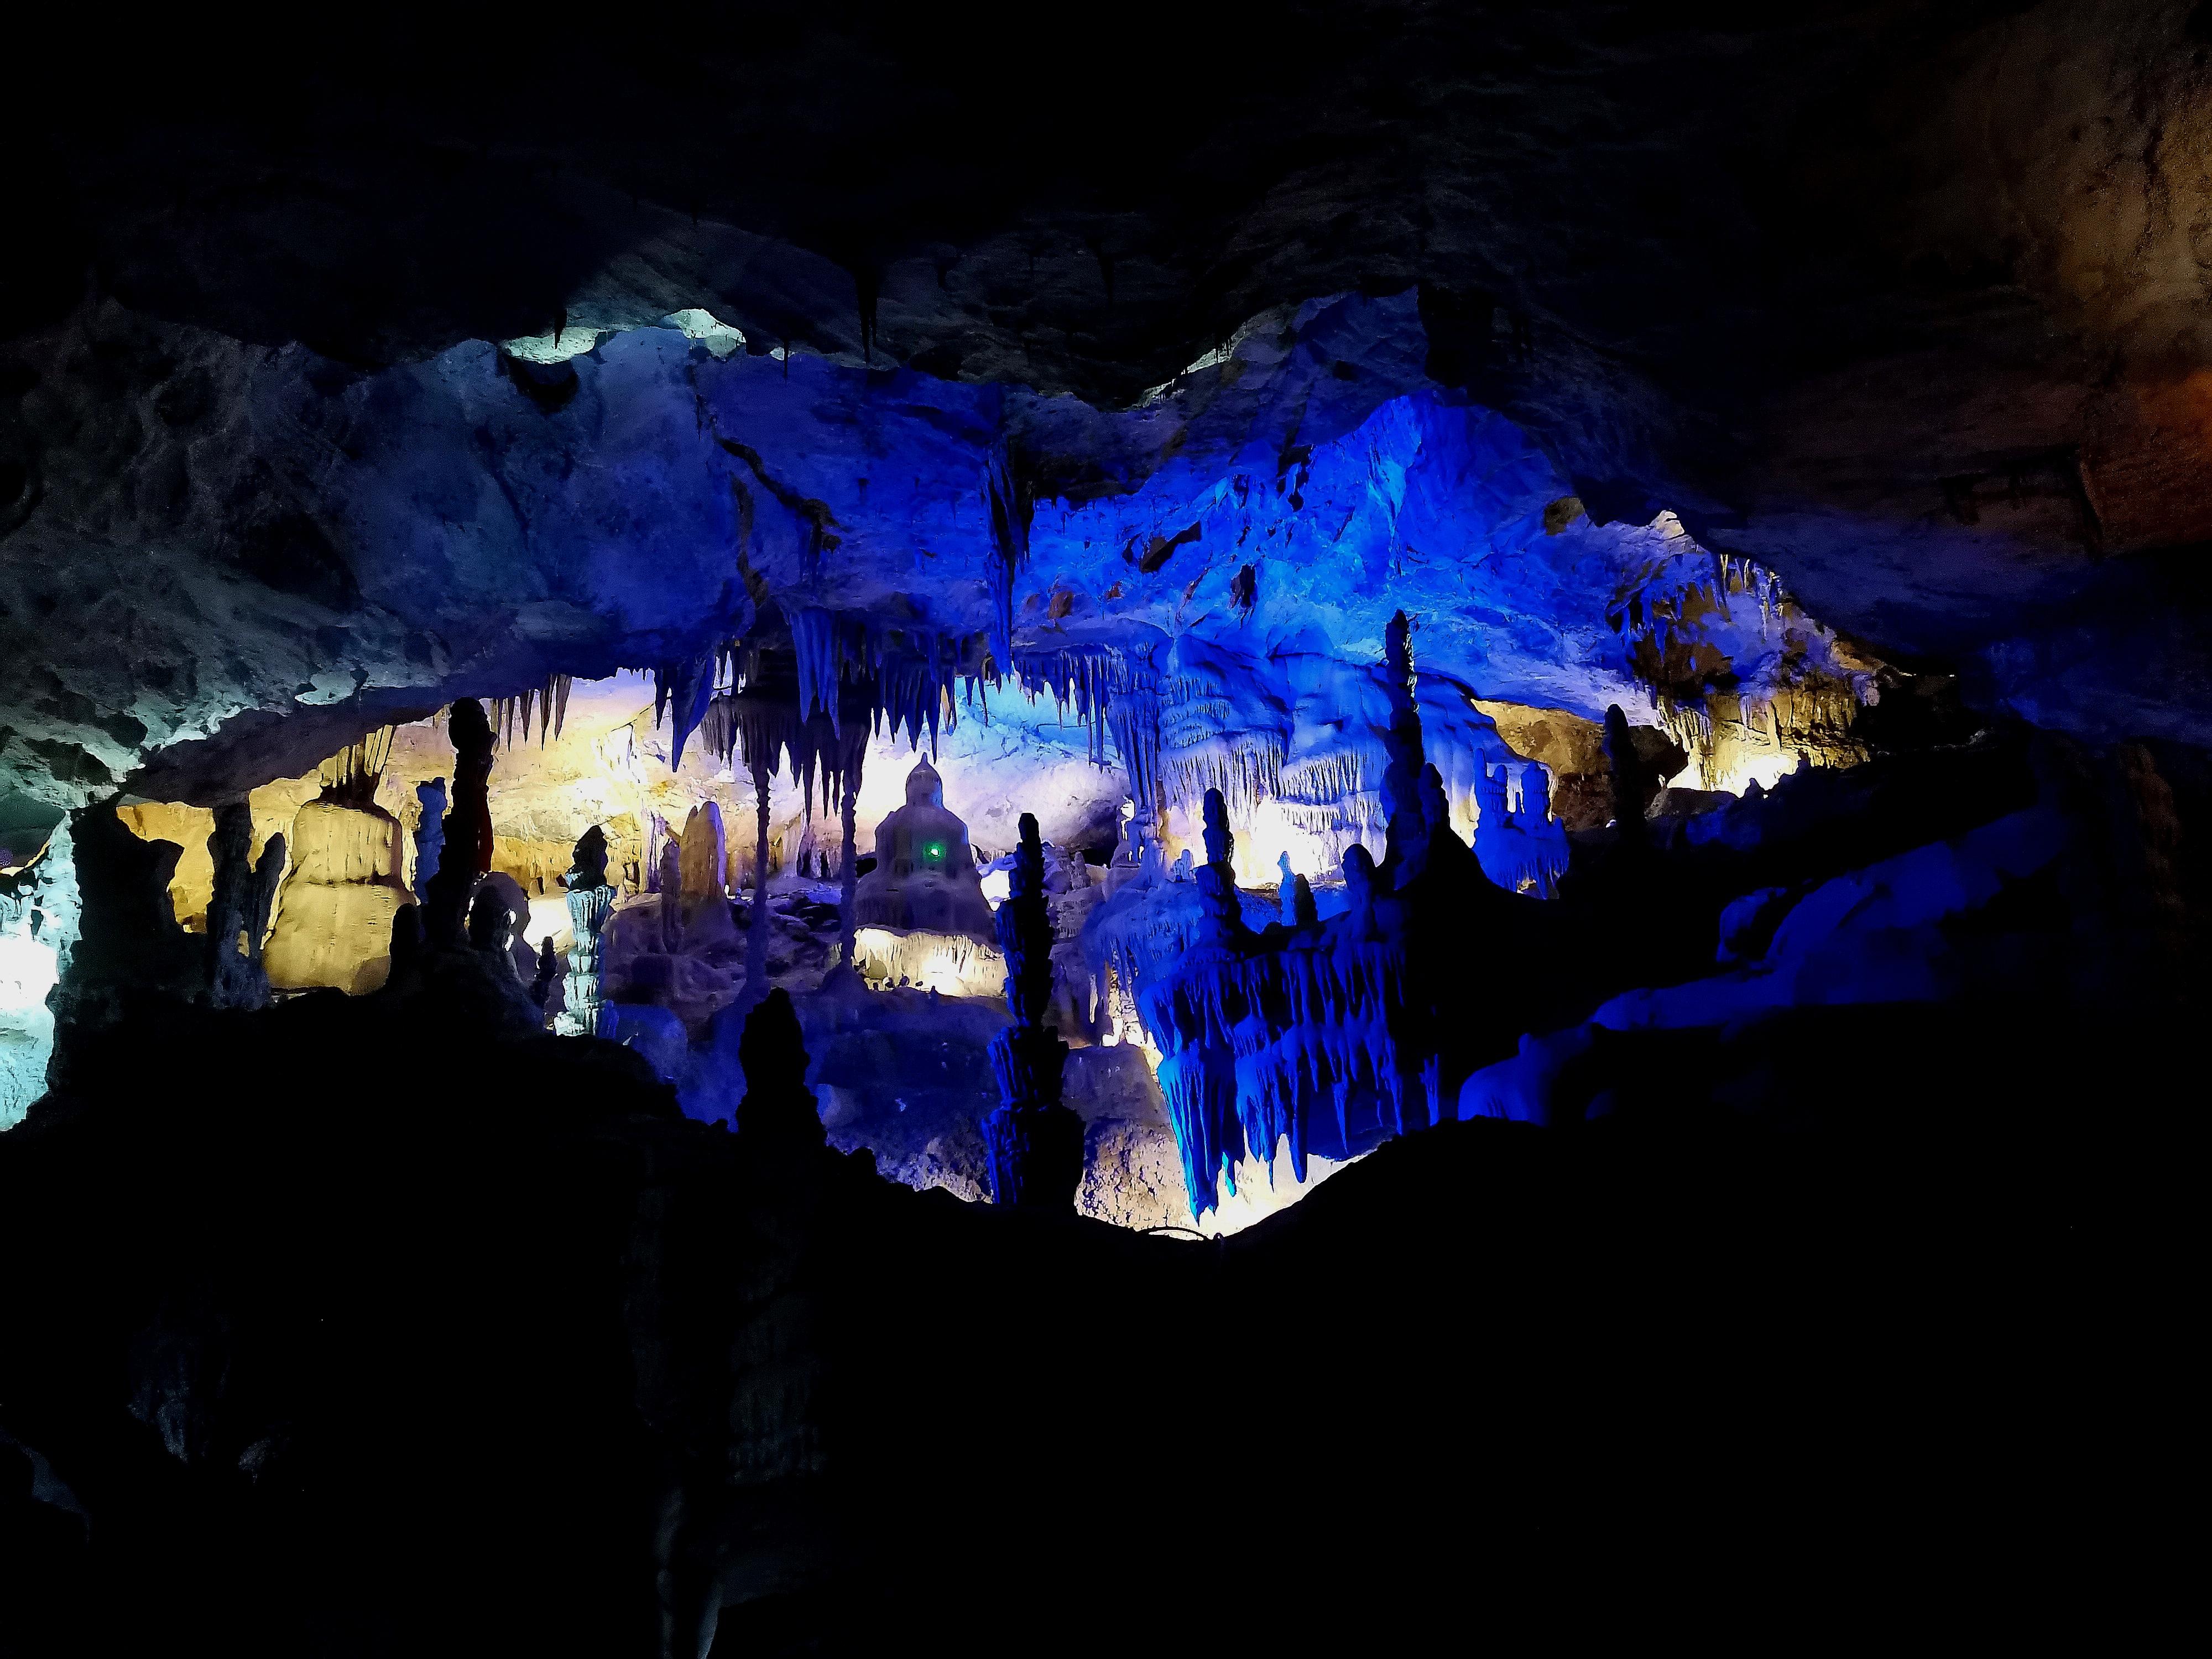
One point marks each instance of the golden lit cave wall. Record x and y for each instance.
(274, 806)
(1572, 748)
(1733, 741)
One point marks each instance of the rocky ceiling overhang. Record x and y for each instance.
(1903, 302)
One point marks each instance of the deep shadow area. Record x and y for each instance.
(492, 1352)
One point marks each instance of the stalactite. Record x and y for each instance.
(692, 688)
(814, 639)
(1404, 825)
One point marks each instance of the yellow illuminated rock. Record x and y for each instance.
(334, 912)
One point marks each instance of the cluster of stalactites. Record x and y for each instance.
(353, 775)
(1249, 1045)
(1790, 702)
(1244, 774)
(1666, 598)
(908, 674)
(1812, 719)
(764, 734)
(1257, 1029)
(1322, 782)
(547, 705)
(1087, 679)
(1133, 716)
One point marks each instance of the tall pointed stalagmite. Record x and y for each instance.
(1035, 1142)
(757, 931)
(465, 855)
(1627, 778)
(854, 752)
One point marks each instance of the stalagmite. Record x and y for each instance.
(430, 834)
(465, 854)
(590, 901)
(1035, 1142)
(778, 1114)
(756, 931)
(238, 909)
(491, 926)
(549, 970)
(1627, 777)
(704, 857)
(1405, 827)
(925, 875)
(672, 895)
(849, 875)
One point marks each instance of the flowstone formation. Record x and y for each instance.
(1035, 1142)
(334, 911)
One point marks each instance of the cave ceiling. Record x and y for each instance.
(340, 379)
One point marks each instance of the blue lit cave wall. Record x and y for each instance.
(707, 555)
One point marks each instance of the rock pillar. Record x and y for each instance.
(590, 901)
(1035, 1142)
(466, 854)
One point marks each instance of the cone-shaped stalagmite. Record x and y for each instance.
(778, 1112)
(1035, 1142)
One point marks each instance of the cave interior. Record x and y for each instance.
(1360, 818)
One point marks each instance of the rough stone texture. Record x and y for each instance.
(334, 910)
(1835, 286)
(39, 908)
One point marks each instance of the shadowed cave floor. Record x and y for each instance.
(339, 1360)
